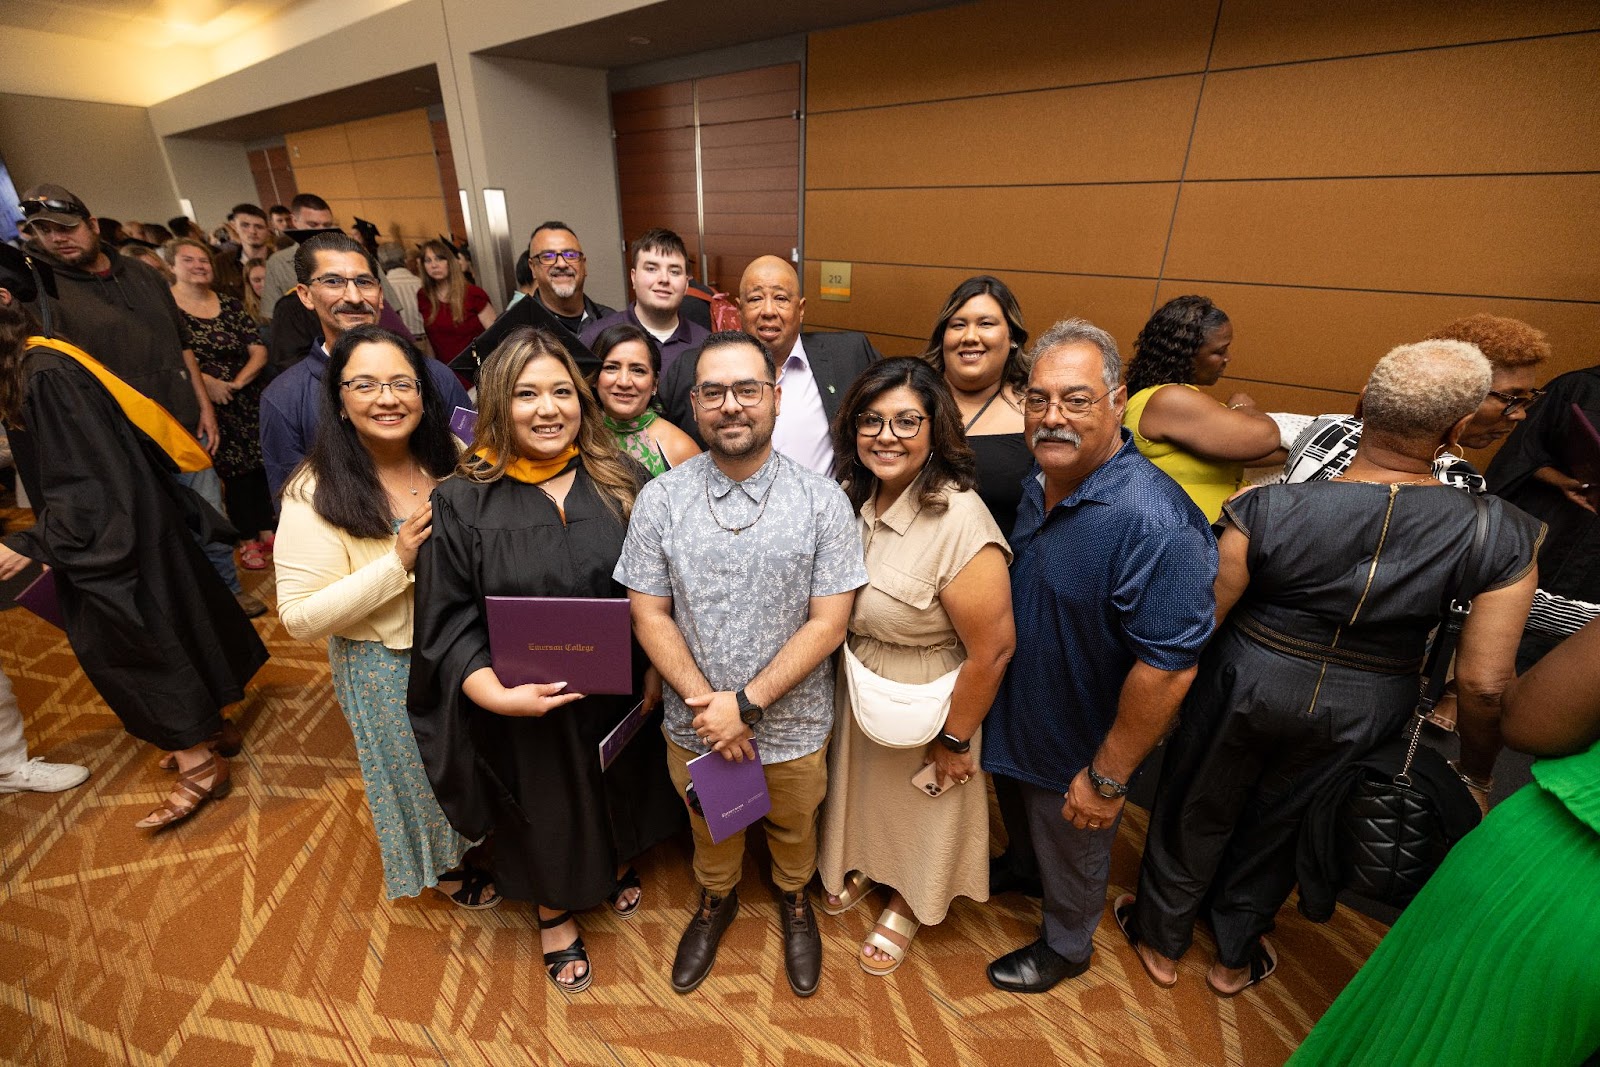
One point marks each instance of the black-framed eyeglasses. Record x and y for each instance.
(1515, 402)
(40, 204)
(748, 393)
(1075, 406)
(338, 283)
(571, 255)
(904, 426)
(368, 388)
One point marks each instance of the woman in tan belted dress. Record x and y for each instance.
(937, 598)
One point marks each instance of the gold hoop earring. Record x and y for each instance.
(1444, 450)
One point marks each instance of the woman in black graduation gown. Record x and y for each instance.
(539, 507)
(152, 625)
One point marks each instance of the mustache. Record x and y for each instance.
(1063, 435)
(344, 307)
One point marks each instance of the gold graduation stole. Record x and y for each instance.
(151, 418)
(531, 472)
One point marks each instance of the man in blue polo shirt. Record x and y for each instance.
(1112, 593)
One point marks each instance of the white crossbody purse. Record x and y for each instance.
(897, 714)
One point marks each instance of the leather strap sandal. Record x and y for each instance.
(555, 961)
(188, 793)
(856, 888)
(476, 891)
(894, 922)
(226, 741)
(629, 880)
(1122, 912)
(1263, 961)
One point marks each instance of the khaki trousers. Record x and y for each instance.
(797, 788)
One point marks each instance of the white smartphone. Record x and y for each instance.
(928, 781)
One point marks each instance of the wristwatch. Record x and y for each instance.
(1109, 788)
(750, 713)
(955, 744)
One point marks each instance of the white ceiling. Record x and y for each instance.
(157, 23)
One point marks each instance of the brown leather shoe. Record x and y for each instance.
(697, 948)
(802, 943)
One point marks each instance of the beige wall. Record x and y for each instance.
(106, 153)
(381, 169)
(211, 175)
(1338, 177)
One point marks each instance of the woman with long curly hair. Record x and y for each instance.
(1203, 444)
(937, 602)
(978, 344)
(454, 311)
(538, 508)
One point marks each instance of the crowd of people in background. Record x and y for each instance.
(1073, 558)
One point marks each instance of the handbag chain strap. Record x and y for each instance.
(1443, 649)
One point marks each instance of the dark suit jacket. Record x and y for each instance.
(837, 359)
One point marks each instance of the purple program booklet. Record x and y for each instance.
(732, 794)
(462, 423)
(584, 642)
(40, 598)
(626, 730)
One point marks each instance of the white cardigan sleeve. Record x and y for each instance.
(318, 591)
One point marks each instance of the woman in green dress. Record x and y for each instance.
(630, 370)
(1493, 963)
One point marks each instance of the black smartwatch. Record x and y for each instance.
(955, 744)
(1109, 788)
(750, 712)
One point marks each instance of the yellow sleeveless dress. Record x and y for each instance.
(1209, 483)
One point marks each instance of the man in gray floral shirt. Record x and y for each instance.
(743, 567)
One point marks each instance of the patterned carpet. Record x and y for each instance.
(257, 934)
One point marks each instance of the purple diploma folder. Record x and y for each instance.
(613, 744)
(1583, 447)
(40, 598)
(586, 643)
(462, 422)
(732, 794)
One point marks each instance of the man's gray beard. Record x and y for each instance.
(565, 289)
(1045, 433)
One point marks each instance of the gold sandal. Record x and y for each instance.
(191, 794)
(856, 888)
(894, 922)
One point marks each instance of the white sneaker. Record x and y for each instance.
(37, 776)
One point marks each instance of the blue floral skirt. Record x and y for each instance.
(414, 837)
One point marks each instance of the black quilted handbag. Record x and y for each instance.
(1391, 835)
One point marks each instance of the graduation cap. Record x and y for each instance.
(368, 232)
(525, 312)
(27, 278)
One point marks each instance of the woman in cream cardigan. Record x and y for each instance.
(354, 514)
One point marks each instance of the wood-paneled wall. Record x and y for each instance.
(382, 169)
(273, 175)
(749, 174)
(1341, 176)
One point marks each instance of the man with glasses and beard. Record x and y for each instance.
(555, 257)
(742, 566)
(1111, 589)
(339, 285)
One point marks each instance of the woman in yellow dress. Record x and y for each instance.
(1202, 444)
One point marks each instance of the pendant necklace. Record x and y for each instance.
(737, 530)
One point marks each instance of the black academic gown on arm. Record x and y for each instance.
(151, 623)
(560, 825)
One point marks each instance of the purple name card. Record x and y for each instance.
(40, 598)
(463, 421)
(585, 642)
(733, 794)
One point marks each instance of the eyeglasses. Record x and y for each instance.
(1073, 407)
(366, 284)
(571, 255)
(369, 389)
(1515, 402)
(40, 204)
(748, 393)
(904, 426)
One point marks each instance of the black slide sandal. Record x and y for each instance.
(573, 953)
(629, 880)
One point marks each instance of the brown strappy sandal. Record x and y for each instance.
(190, 793)
(228, 741)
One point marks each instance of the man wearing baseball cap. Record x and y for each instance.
(122, 313)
